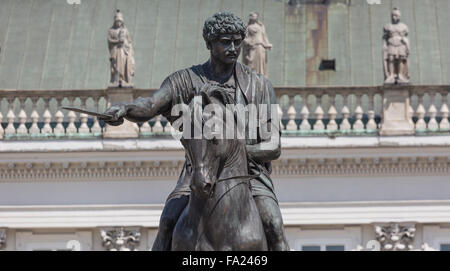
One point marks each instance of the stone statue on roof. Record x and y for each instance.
(121, 53)
(396, 50)
(255, 45)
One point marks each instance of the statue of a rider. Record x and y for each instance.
(223, 34)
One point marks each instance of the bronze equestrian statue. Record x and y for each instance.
(223, 34)
(221, 213)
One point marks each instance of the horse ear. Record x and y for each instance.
(205, 99)
(223, 96)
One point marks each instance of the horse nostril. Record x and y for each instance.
(207, 187)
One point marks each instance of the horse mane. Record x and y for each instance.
(208, 91)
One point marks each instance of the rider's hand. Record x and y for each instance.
(118, 111)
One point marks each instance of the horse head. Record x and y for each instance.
(208, 153)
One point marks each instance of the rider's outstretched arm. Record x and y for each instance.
(142, 109)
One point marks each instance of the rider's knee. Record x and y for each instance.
(276, 224)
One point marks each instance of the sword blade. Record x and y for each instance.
(92, 113)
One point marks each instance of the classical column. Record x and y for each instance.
(120, 239)
(127, 129)
(2, 239)
(396, 116)
(395, 236)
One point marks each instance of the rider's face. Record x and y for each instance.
(226, 48)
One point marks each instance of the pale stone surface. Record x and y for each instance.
(171, 144)
(396, 116)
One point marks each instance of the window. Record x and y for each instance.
(334, 248)
(437, 237)
(327, 65)
(30, 241)
(445, 247)
(345, 238)
(311, 248)
(324, 248)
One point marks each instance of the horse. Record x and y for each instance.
(221, 214)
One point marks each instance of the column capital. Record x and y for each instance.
(120, 238)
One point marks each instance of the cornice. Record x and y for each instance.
(139, 169)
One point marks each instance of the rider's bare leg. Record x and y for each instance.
(272, 223)
(169, 217)
(391, 66)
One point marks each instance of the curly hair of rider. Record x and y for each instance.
(223, 23)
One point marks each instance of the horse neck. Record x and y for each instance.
(235, 164)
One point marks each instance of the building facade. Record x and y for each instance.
(363, 166)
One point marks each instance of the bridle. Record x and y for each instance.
(245, 181)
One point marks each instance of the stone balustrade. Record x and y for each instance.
(38, 114)
(312, 111)
(430, 109)
(329, 110)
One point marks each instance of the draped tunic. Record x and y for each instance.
(121, 55)
(254, 48)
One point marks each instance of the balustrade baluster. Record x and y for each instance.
(345, 124)
(59, 117)
(318, 125)
(84, 128)
(420, 112)
(332, 113)
(71, 128)
(47, 116)
(432, 124)
(157, 127)
(145, 128)
(444, 124)
(96, 129)
(280, 117)
(34, 129)
(292, 113)
(22, 129)
(2, 131)
(168, 128)
(358, 125)
(371, 124)
(10, 129)
(304, 125)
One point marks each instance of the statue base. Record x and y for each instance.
(396, 116)
(128, 129)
